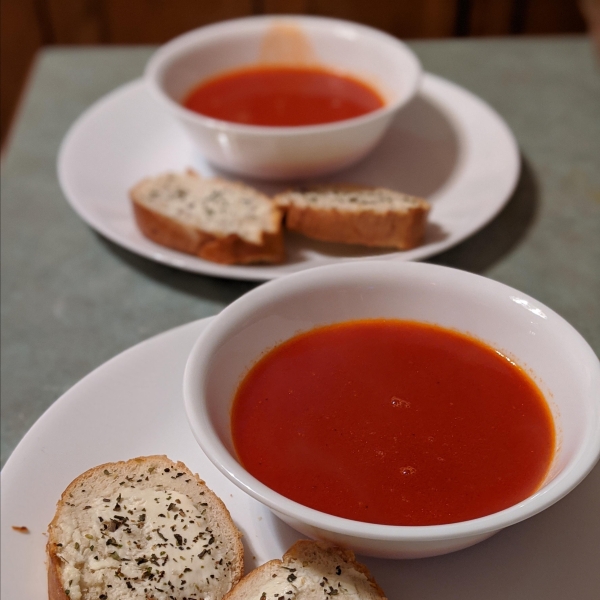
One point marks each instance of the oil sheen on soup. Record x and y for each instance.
(283, 96)
(393, 422)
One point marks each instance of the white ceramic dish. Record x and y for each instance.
(447, 145)
(280, 153)
(550, 557)
(563, 365)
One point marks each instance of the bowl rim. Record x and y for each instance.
(579, 467)
(159, 61)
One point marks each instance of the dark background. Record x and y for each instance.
(28, 25)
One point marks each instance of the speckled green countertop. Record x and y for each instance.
(71, 299)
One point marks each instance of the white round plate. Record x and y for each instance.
(133, 406)
(447, 146)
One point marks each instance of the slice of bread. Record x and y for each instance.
(138, 529)
(214, 219)
(309, 570)
(356, 215)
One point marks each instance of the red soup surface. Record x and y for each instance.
(393, 422)
(282, 96)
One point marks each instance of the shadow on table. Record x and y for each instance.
(497, 239)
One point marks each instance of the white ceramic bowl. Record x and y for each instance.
(563, 365)
(284, 152)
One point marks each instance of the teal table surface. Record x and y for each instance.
(71, 299)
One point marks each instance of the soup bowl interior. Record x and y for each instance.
(374, 57)
(555, 356)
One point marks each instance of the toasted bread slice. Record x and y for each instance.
(307, 571)
(356, 215)
(214, 219)
(143, 528)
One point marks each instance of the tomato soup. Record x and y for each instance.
(393, 422)
(282, 96)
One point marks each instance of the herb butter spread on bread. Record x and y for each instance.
(140, 529)
(214, 219)
(309, 571)
(356, 215)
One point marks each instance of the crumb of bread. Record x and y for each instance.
(20, 528)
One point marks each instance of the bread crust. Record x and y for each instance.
(368, 227)
(56, 589)
(226, 249)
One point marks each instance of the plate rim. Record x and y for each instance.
(460, 561)
(201, 323)
(193, 264)
(32, 445)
